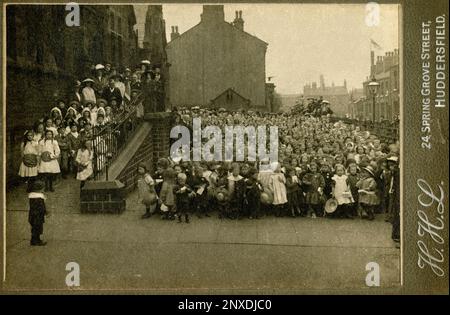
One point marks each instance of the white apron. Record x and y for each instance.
(52, 166)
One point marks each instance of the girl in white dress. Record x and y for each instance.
(49, 153)
(278, 187)
(30, 153)
(341, 191)
(84, 158)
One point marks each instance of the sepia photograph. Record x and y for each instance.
(227, 148)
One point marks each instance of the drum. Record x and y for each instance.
(30, 160)
(46, 156)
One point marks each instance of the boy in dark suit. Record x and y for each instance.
(183, 196)
(36, 215)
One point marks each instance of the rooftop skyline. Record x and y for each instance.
(305, 40)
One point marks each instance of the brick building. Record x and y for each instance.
(338, 96)
(121, 40)
(387, 101)
(215, 56)
(45, 57)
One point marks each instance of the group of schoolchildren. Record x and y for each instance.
(240, 190)
(318, 160)
(62, 141)
(353, 168)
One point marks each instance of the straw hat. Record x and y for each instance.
(331, 205)
(393, 158)
(370, 170)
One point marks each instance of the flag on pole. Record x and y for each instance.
(374, 44)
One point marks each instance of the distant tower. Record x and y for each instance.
(155, 36)
(322, 82)
(372, 63)
(238, 21)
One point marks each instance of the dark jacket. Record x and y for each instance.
(36, 215)
(182, 197)
(108, 95)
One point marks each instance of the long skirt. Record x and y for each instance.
(25, 171)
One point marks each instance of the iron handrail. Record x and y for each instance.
(110, 140)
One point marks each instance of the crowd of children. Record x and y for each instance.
(318, 161)
(63, 141)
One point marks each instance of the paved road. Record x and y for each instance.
(288, 255)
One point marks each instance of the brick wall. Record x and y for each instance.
(156, 145)
(102, 197)
(161, 139)
(29, 96)
(144, 154)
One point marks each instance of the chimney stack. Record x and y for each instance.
(238, 21)
(213, 14)
(174, 33)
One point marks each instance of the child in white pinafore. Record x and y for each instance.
(30, 153)
(84, 158)
(278, 187)
(341, 192)
(49, 166)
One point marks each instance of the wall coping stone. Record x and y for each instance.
(102, 185)
(128, 152)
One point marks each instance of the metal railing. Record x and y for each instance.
(109, 141)
(385, 130)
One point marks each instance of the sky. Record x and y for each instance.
(305, 40)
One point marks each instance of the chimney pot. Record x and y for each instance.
(174, 33)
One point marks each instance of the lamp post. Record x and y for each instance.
(373, 89)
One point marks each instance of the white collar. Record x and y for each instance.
(232, 177)
(35, 195)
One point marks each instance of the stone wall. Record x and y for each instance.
(143, 155)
